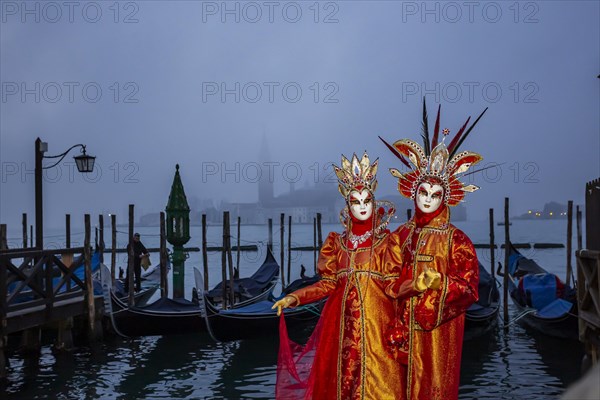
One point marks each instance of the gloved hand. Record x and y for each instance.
(419, 283)
(428, 279)
(286, 302)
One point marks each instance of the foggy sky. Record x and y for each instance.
(362, 68)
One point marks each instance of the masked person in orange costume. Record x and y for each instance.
(350, 360)
(439, 275)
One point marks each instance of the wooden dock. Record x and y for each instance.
(41, 288)
(588, 277)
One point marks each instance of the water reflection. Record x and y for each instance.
(518, 364)
(499, 365)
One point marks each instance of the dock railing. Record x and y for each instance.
(41, 287)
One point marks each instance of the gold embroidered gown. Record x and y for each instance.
(351, 361)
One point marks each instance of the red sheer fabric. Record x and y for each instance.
(294, 364)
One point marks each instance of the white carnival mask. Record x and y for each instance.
(429, 197)
(361, 204)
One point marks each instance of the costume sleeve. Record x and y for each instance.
(400, 281)
(327, 267)
(458, 289)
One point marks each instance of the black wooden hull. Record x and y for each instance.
(480, 322)
(482, 317)
(180, 317)
(240, 324)
(564, 327)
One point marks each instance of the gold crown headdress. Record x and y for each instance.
(356, 174)
(442, 164)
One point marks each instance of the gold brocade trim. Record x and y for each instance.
(410, 348)
(442, 301)
(341, 331)
(445, 289)
(424, 258)
(378, 275)
(377, 243)
(363, 369)
(413, 325)
(412, 228)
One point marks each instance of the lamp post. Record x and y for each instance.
(85, 164)
(178, 231)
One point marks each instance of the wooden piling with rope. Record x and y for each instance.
(204, 253)
(282, 246)
(506, 260)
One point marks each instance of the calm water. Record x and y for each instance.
(501, 365)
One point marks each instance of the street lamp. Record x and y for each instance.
(85, 164)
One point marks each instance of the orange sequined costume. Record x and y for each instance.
(351, 361)
(431, 315)
(434, 319)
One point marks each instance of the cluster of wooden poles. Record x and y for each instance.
(227, 257)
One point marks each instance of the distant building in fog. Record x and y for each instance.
(301, 204)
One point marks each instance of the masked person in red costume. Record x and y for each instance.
(439, 274)
(347, 357)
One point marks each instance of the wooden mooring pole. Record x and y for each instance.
(224, 266)
(204, 253)
(239, 234)
(569, 241)
(492, 245)
(113, 250)
(270, 243)
(68, 231)
(315, 244)
(89, 284)
(130, 275)
(24, 221)
(319, 231)
(230, 262)
(3, 237)
(579, 233)
(506, 266)
(101, 244)
(289, 261)
(163, 259)
(282, 246)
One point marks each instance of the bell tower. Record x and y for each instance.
(267, 177)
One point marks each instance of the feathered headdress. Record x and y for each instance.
(443, 165)
(356, 175)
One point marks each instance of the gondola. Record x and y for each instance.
(544, 302)
(257, 287)
(167, 316)
(255, 320)
(482, 316)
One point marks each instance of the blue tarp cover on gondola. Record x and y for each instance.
(539, 289)
(555, 309)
